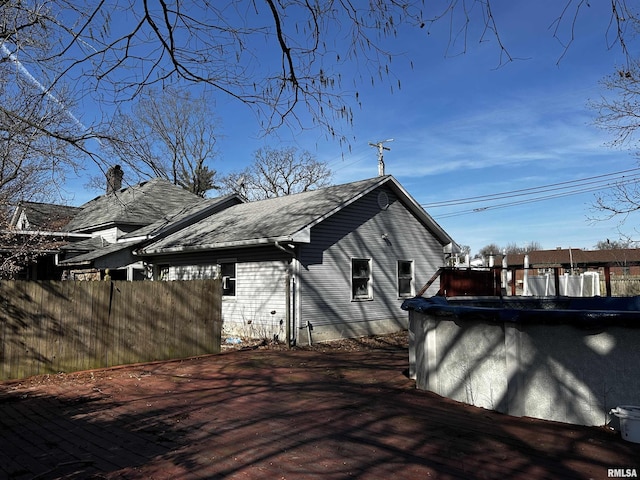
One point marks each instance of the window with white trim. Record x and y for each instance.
(361, 285)
(405, 279)
(228, 276)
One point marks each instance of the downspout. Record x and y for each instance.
(288, 316)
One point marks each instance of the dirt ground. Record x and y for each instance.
(392, 340)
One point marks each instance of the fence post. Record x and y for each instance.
(607, 279)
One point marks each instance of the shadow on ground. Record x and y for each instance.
(280, 414)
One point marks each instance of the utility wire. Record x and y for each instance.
(355, 156)
(594, 181)
(624, 180)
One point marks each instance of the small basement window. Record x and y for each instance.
(361, 285)
(405, 279)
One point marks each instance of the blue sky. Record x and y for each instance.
(461, 127)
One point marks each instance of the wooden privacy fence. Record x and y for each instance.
(623, 285)
(51, 327)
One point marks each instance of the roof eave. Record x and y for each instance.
(46, 233)
(71, 263)
(255, 242)
(422, 214)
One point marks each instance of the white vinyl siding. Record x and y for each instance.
(258, 308)
(188, 272)
(109, 235)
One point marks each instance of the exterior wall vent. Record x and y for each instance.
(383, 200)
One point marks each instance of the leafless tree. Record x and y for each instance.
(510, 248)
(35, 154)
(619, 244)
(619, 113)
(275, 173)
(488, 250)
(169, 134)
(282, 59)
(32, 162)
(514, 248)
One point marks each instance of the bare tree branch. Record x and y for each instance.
(276, 173)
(169, 134)
(282, 59)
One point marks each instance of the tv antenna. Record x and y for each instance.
(380, 146)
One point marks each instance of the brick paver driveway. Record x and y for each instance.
(268, 414)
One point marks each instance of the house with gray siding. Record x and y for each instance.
(315, 266)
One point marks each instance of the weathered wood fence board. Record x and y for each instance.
(51, 327)
(623, 286)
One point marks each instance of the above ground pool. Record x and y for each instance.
(558, 358)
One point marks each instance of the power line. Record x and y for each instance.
(595, 180)
(356, 156)
(579, 186)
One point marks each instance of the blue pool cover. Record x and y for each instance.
(584, 312)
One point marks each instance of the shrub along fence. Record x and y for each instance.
(51, 327)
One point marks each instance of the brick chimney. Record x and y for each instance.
(114, 179)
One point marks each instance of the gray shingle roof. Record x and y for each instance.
(138, 205)
(87, 251)
(280, 218)
(183, 215)
(46, 216)
(90, 256)
(86, 245)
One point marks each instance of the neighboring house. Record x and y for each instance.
(623, 261)
(81, 243)
(548, 266)
(42, 217)
(125, 210)
(33, 237)
(123, 219)
(335, 262)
